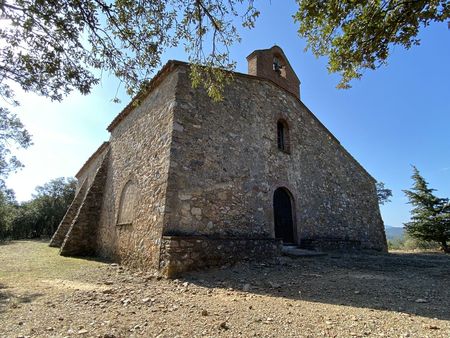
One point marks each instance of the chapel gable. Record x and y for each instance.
(272, 64)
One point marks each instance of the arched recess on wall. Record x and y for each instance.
(283, 137)
(127, 203)
(284, 215)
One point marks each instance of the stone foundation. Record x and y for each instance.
(330, 244)
(184, 253)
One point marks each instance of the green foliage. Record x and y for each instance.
(395, 244)
(430, 216)
(12, 135)
(8, 211)
(411, 244)
(41, 215)
(358, 35)
(212, 79)
(54, 47)
(383, 193)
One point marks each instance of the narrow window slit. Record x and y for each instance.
(283, 136)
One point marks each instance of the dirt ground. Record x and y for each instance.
(340, 295)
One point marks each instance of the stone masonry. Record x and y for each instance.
(180, 253)
(60, 234)
(258, 62)
(76, 234)
(185, 182)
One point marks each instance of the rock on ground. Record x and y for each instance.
(341, 295)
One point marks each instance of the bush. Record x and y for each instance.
(41, 215)
(409, 243)
(396, 244)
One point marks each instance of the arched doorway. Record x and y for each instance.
(283, 218)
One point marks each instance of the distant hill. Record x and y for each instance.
(394, 232)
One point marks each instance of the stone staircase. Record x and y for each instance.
(330, 244)
(293, 250)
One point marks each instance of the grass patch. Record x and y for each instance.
(28, 260)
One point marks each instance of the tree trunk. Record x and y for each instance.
(445, 247)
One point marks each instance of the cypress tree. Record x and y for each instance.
(430, 216)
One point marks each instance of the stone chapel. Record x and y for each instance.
(185, 182)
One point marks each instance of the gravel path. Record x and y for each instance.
(340, 295)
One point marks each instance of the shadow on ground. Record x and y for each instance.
(410, 283)
(9, 299)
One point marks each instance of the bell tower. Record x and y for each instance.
(272, 64)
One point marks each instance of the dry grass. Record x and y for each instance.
(29, 261)
(398, 295)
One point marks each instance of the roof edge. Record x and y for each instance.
(256, 51)
(153, 83)
(99, 150)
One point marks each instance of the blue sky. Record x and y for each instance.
(394, 117)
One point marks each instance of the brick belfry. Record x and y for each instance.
(185, 182)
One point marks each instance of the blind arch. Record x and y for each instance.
(127, 204)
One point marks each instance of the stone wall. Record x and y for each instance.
(225, 167)
(181, 253)
(139, 147)
(195, 179)
(87, 172)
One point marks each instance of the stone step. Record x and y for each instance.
(293, 251)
